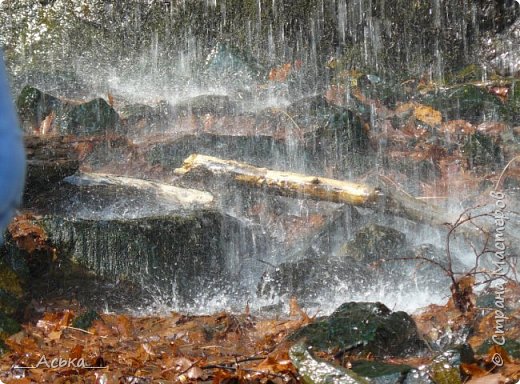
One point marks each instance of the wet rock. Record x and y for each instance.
(418, 376)
(262, 151)
(140, 119)
(372, 243)
(314, 371)
(231, 67)
(415, 270)
(467, 102)
(466, 74)
(217, 105)
(364, 328)
(154, 235)
(500, 50)
(482, 150)
(9, 304)
(49, 161)
(43, 113)
(339, 132)
(313, 277)
(90, 118)
(64, 83)
(34, 106)
(375, 88)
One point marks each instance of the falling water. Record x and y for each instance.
(174, 54)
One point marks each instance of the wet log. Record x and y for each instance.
(201, 168)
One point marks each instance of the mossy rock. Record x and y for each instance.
(482, 150)
(364, 328)
(467, 102)
(8, 326)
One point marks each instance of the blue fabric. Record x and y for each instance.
(12, 155)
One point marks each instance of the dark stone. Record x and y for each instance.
(364, 328)
(416, 269)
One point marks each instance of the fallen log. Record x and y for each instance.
(201, 167)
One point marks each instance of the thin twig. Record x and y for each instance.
(79, 329)
(504, 170)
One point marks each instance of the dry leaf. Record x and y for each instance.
(489, 379)
(427, 115)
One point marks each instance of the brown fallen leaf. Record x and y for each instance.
(489, 379)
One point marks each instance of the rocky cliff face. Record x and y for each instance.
(97, 39)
